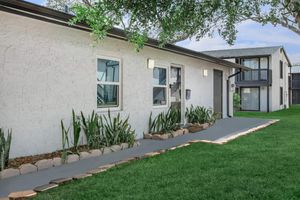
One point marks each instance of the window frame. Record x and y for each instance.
(161, 86)
(281, 69)
(281, 95)
(119, 84)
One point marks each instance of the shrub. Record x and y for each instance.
(4, 148)
(165, 122)
(101, 130)
(76, 130)
(236, 102)
(91, 128)
(200, 114)
(116, 131)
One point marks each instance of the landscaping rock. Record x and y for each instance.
(84, 155)
(160, 137)
(108, 166)
(96, 171)
(72, 158)
(106, 150)
(95, 152)
(22, 195)
(151, 154)
(27, 168)
(194, 141)
(136, 144)
(4, 198)
(61, 181)
(57, 161)
(44, 164)
(9, 173)
(125, 146)
(205, 126)
(185, 131)
(115, 148)
(81, 176)
(44, 188)
(147, 136)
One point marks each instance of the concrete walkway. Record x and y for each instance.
(221, 129)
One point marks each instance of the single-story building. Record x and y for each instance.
(48, 68)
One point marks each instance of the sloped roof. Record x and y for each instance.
(39, 12)
(244, 52)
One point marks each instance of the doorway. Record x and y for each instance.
(218, 92)
(176, 89)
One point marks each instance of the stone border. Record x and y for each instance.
(179, 132)
(62, 181)
(57, 161)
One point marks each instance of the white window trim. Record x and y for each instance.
(120, 84)
(161, 86)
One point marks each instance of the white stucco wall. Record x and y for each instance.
(47, 69)
(277, 82)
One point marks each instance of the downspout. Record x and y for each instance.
(227, 82)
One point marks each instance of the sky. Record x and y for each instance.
(250, 34)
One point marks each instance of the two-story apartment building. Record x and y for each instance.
(264, 88)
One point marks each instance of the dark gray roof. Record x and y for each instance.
(233, 53)
(244, 52)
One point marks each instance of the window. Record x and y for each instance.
(250, 99)
(264, 68)
(281, 69)
(281, 95)
(108, 83)
(159, 86)
(252, 63)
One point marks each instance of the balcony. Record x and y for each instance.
(254, 77)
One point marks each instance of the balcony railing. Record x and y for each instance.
(255, 77)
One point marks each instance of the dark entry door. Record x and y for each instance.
(218, 91)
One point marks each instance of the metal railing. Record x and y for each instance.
(255, 75)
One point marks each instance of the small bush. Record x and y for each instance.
(165, 122)
(200, 115)
(4, 148)
(236, 102)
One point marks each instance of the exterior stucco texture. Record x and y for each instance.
(46, 70)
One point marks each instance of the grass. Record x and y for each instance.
(262, 165)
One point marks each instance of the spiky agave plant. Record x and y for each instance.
(165, 122)
(4, 148)
(92, 129)
(200, 114)
(116, 131)
(76, 130)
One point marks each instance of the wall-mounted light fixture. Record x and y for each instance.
(150, 63)
(205, 72)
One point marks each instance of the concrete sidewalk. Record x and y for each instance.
(221, 129)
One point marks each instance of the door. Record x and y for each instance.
(218, 92)
(175, 88)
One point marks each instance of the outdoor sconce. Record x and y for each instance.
(205, 72)
(150, 63)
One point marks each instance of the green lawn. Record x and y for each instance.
(262, 165)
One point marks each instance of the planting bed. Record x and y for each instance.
(30, 164)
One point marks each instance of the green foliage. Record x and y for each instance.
(91, 128)
(116, 131)
(101, 130)
(4, 148)
(165, 122)
(65, 141)
(76, 129)
(171, 21)
(200, 114)
(236, 102)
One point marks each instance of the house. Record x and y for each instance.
(265, 87)
(295, 84)
(48, 68)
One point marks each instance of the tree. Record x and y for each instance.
(170, 21)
